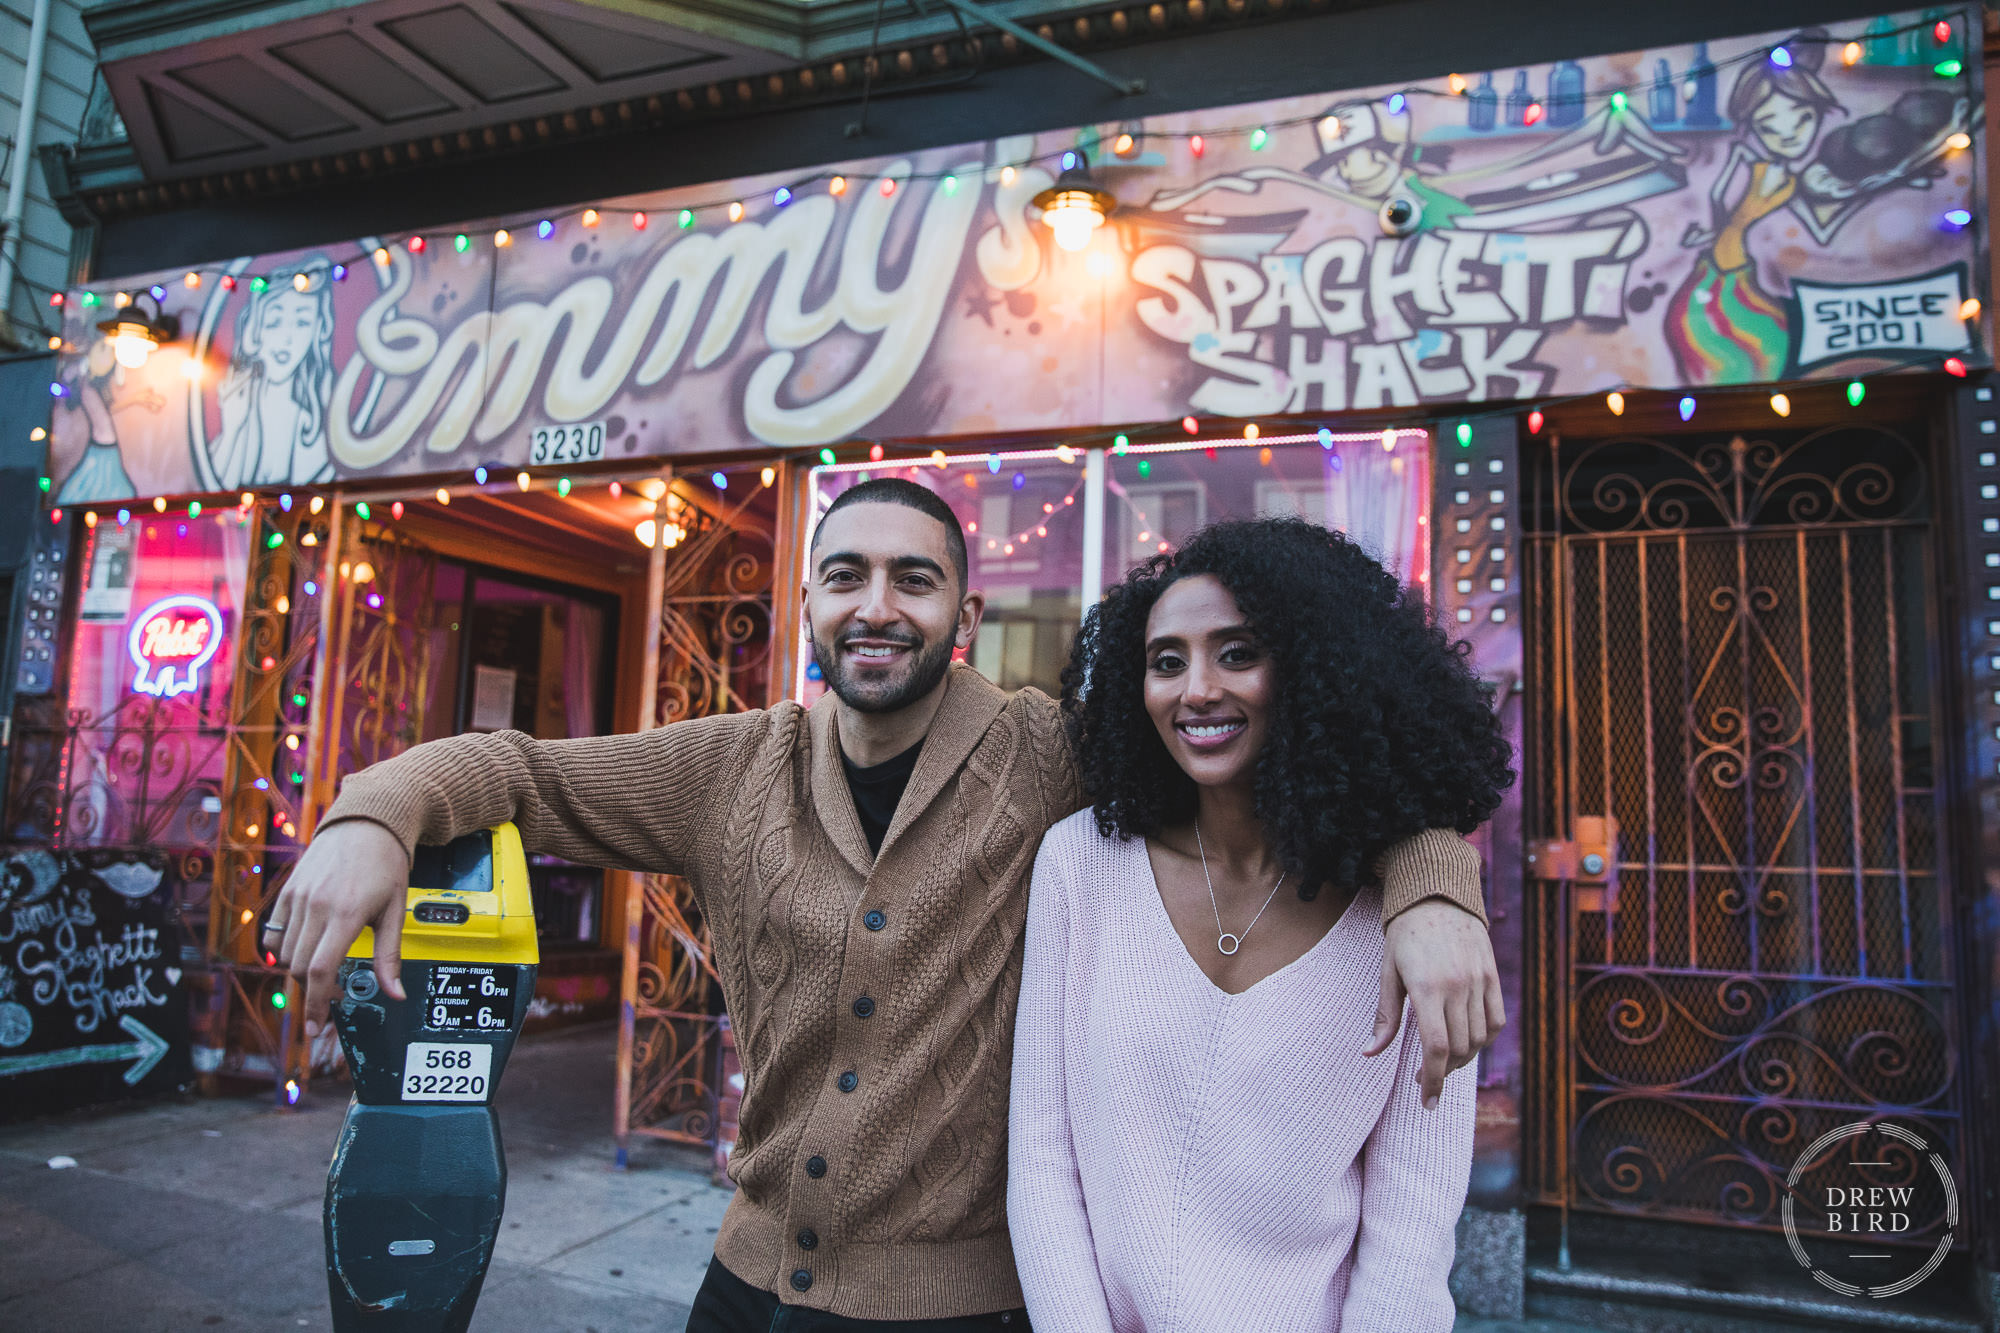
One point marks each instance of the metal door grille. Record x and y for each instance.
(1732, 640)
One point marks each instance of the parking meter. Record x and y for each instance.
(418, 1180)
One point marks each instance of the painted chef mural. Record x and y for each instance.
(1735, 212)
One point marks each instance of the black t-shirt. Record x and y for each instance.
(878, 790)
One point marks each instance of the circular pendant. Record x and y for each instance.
(1229, 944)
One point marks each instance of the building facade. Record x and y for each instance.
(487, 367)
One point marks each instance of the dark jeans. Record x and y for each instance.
(728, 1304)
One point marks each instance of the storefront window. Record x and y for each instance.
(151, 670)
(1025, 514)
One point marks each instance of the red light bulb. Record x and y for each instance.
(1535, 422)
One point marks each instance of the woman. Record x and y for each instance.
(280, 380)
(1197, 1141)
(1722, 326)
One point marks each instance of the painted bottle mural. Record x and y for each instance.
(1934, 50)
(1517, 101)
(1482, 108)
(1883, 45)
(1663, 108)
(1566, 95)
(1701, 91)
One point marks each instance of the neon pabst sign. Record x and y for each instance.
(171, 641)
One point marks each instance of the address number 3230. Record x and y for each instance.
(581, 443)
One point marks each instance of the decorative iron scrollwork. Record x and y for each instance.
(1835, 474)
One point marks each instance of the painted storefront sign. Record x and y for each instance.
(92, 1001)
(1741, 211)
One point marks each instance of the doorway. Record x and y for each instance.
(1740, 931)
(517, 610)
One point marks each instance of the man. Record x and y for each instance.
(863, 869)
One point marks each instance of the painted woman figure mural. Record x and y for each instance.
(94, 383)
(1722, 326)
(275, 394)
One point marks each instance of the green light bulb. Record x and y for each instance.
(1856, 391)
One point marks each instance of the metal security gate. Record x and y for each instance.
(1742, 936)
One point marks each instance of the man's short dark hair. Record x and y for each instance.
(910, 495)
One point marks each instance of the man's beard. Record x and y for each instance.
(927, 667)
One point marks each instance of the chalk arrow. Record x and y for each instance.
(146, 1051)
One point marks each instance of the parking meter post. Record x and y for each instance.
(419, 1178)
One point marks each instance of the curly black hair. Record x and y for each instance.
(1379, 728)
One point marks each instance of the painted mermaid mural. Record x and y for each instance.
(1723, 325)
(275, 395)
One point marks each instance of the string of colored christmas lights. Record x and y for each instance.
(1126, 143)
(1117, 441)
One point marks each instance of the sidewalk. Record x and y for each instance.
(206, 1214)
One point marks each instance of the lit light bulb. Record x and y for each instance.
(521, 479)
(1850, 54)
(768, 475)
(838, 185)
(503, 238)
(1072, 224)
(1456, 82)
(1535, 420)
(1969, 308)
(1781, 405)
(1959, 142)
(589, 218)
(132, 344)
(1197, 145)
(647, 530)
(736, 210)
(443, 496)
(1616, 402)
(1389, 441)
(1123, 145)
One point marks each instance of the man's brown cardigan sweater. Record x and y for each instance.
(880, 1195)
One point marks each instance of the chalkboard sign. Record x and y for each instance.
(92, 1005)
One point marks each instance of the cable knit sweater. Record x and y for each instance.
(871, 1157)
(1182, 1160)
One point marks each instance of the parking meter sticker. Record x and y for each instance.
(435, 1071)
(465, 997)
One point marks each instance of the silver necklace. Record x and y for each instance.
(1226, 942)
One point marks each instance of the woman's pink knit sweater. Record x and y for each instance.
(1181, 1160)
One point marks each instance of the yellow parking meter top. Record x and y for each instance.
(468, 902)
